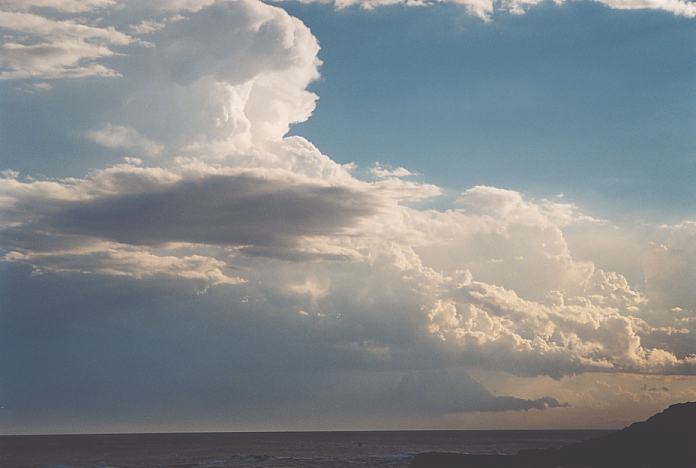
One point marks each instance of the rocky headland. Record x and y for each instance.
(665, 440)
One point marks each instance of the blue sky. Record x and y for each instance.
(579, 99)
(594, 103)
(235, 215)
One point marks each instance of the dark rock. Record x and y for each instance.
(666, 440)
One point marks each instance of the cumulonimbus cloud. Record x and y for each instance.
(232, 201)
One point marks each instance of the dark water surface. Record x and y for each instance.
(388, 449)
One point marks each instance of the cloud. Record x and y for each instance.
(446, 392)
(307, 266)
(69, 6)
(42, 48)
(146, 27)
(231, 105)
(117, 261)
(676, 7)
(485, 9)
(224, 363)
(122, 137)
(385, 172)
(243, 209)
(40, 45)
(480, 8)
(42, 86)
(579, 318)
(668, 267)
(535, 310)
(493, 323)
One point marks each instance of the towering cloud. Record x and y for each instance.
(214, 195)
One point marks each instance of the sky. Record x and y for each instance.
(360, 214)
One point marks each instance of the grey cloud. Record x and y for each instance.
(293, 254)
(662, 389)
(126, 353)
(452, 391)
(216, 210)
(371, 312)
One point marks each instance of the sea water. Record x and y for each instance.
(374, 449)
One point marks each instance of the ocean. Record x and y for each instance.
(374, 449)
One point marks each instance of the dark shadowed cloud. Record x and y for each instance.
(217, 210)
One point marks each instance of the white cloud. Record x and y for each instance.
(114, 260)
(43, 48)
(676, 7)
(669, 267)
(42, 86)
(485, 9)
(122, 137)
(480, 8)
(386, 172)
(70, 6)
(146, 27)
